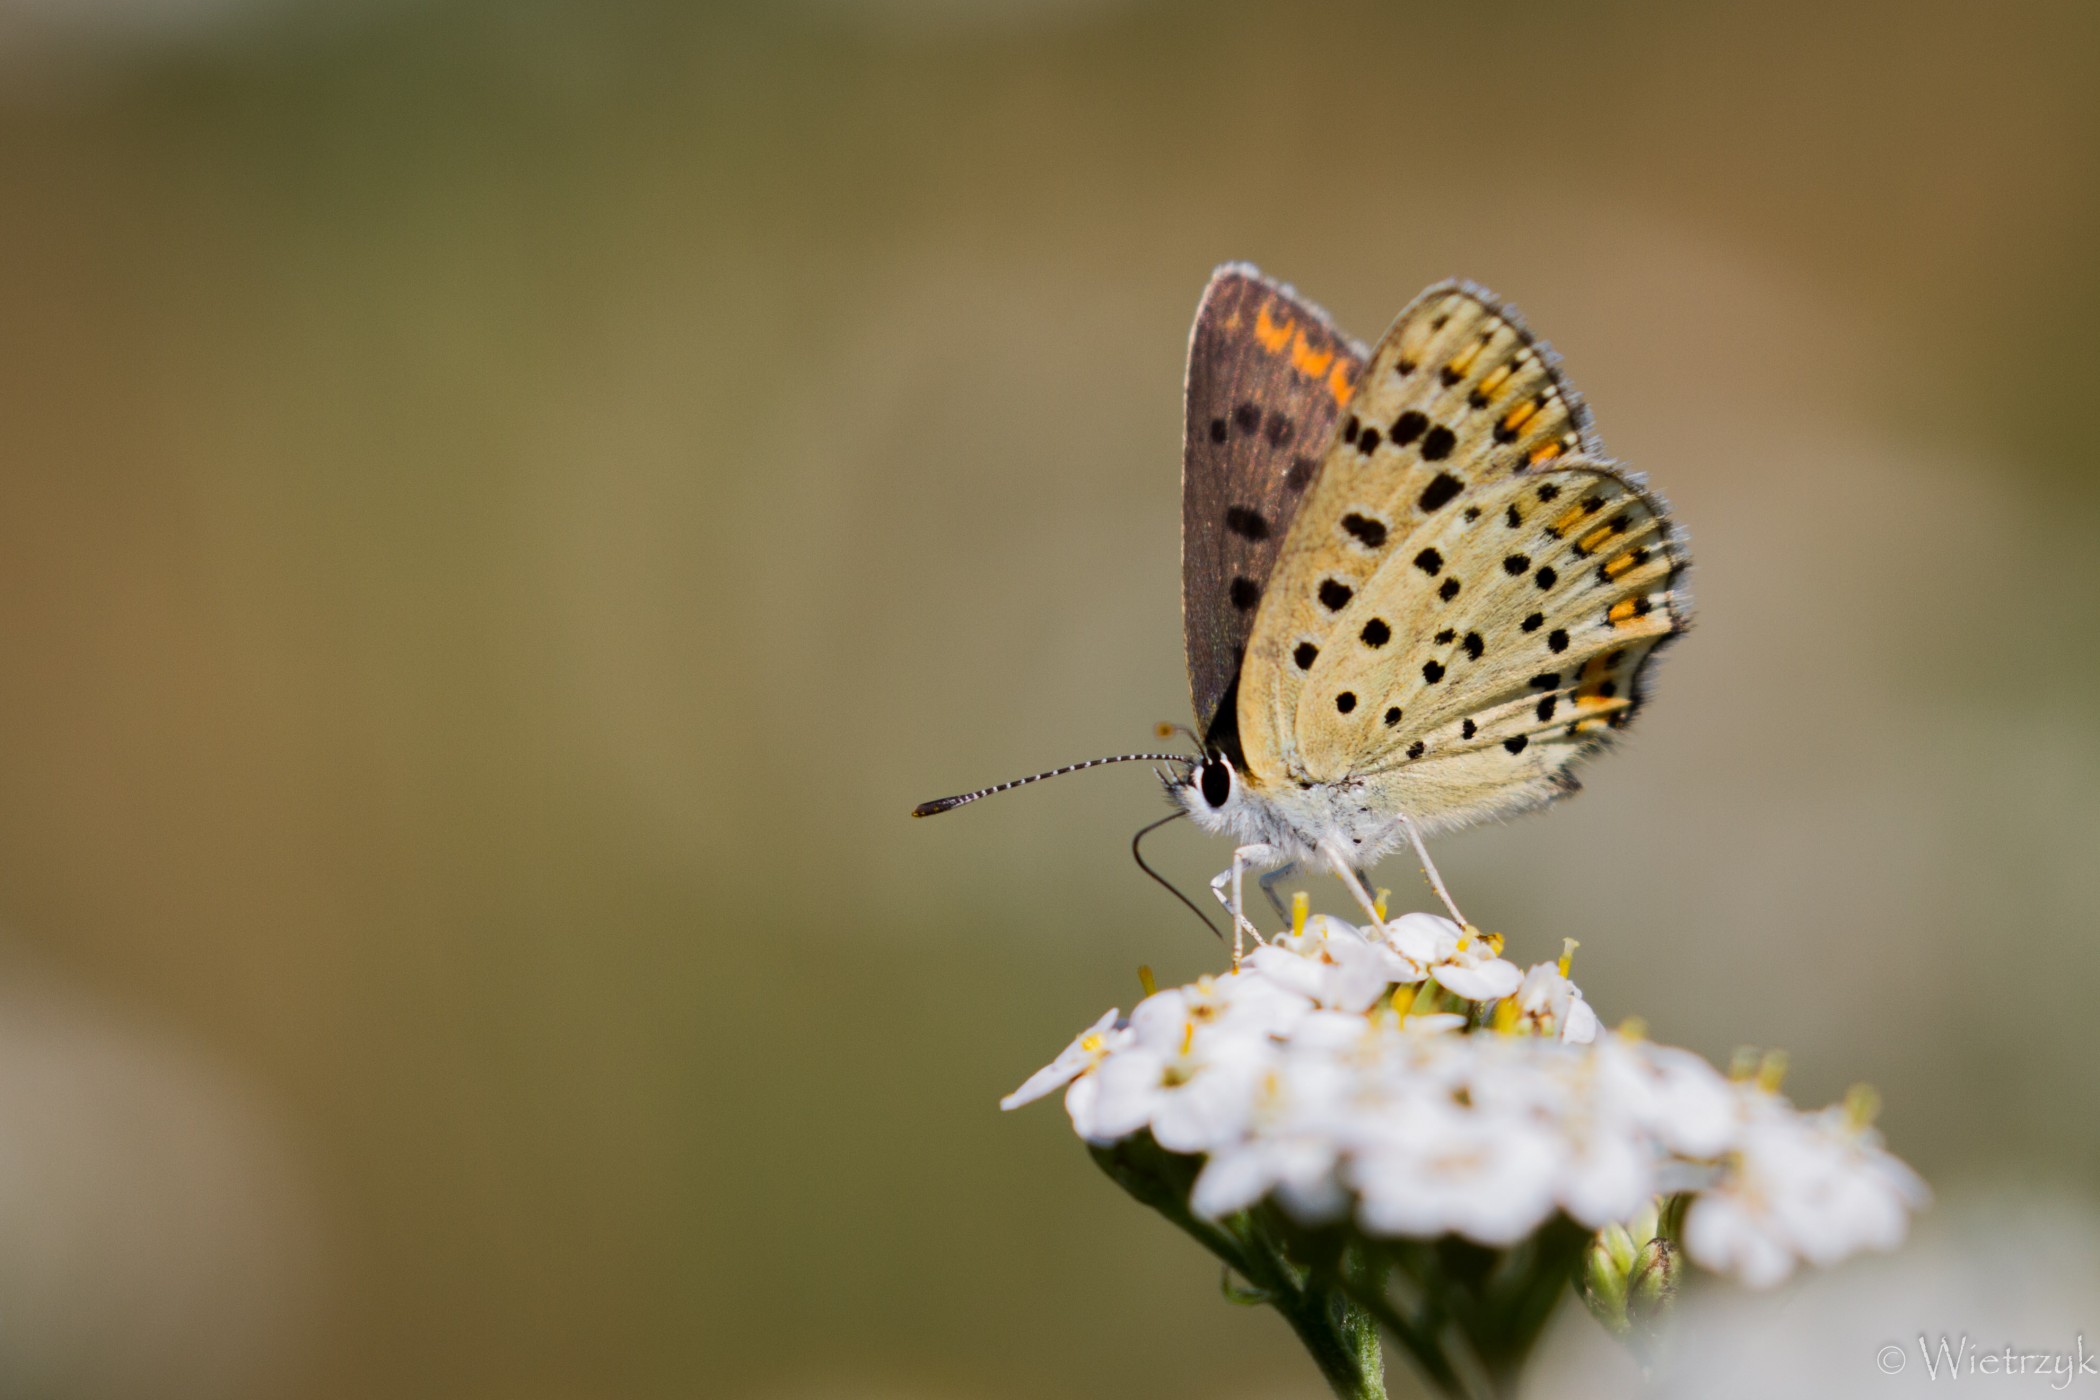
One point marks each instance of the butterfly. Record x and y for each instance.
(1415, 592)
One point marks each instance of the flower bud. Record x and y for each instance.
(1653, 1286)
(1604, 1279)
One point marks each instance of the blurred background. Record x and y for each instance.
(505, 506)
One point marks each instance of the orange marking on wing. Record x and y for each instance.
(1623, 564)
(1621, 612)
(1514, 420)
(1341, 382)
(1569, 520)
(1592, 542)
(1272, 336)
(1308, 362)
(1461, 363)
(1544, 452)
(1492, 385)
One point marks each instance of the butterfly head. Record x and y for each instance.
(1215, 793)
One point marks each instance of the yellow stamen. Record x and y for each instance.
(1092, 1044)
(1301, 909)
(1146, 980)
(1743, 1064)
(1494, 943)
(1403, 1001)
(1379, 903)
(1862, 1106)
(1771, 1071)
(1508, 1016)
(1567, 953)
(1188, 1037)
(1633, 1028)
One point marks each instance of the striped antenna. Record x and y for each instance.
(944, 804)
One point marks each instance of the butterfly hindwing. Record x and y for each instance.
(1268, 374)
(1504, 641)
(1459, 394)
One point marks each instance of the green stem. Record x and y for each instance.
(1342, 1340)
(1340, 1336)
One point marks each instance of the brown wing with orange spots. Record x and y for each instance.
(1268, 373)
(1459, 394)
(1506, 640)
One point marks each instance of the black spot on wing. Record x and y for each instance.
(1300, 474)
(1474, 646)
(1516, 743)
(1334, 594)
(1246, 417)
(1346, 701)
(1438, 493)
(1432, 671)
(1278, 429)
(1305, 655)
(1247, 524)
(1430, 562)
(1438, 444)
(1364, 530)
(1448, 589)
(1407, 427)
(1217, 430)
(1245, 593)
(1376, 633)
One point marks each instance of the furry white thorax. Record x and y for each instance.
(1303, 824)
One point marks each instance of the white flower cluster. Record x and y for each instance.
(1409, 1074)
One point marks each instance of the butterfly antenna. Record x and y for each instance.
(1139, 856)
(944, 804)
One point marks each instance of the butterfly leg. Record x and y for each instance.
(1229, 888)
(1268, 888)
(1436, 881)
(1345, 869)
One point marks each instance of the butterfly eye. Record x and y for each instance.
(1215, 781)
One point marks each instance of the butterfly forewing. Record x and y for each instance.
(1457, 395)
(1268, 374)
(1514, 627)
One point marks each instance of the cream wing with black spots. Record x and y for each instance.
(1458, 394)
(1502, 643)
